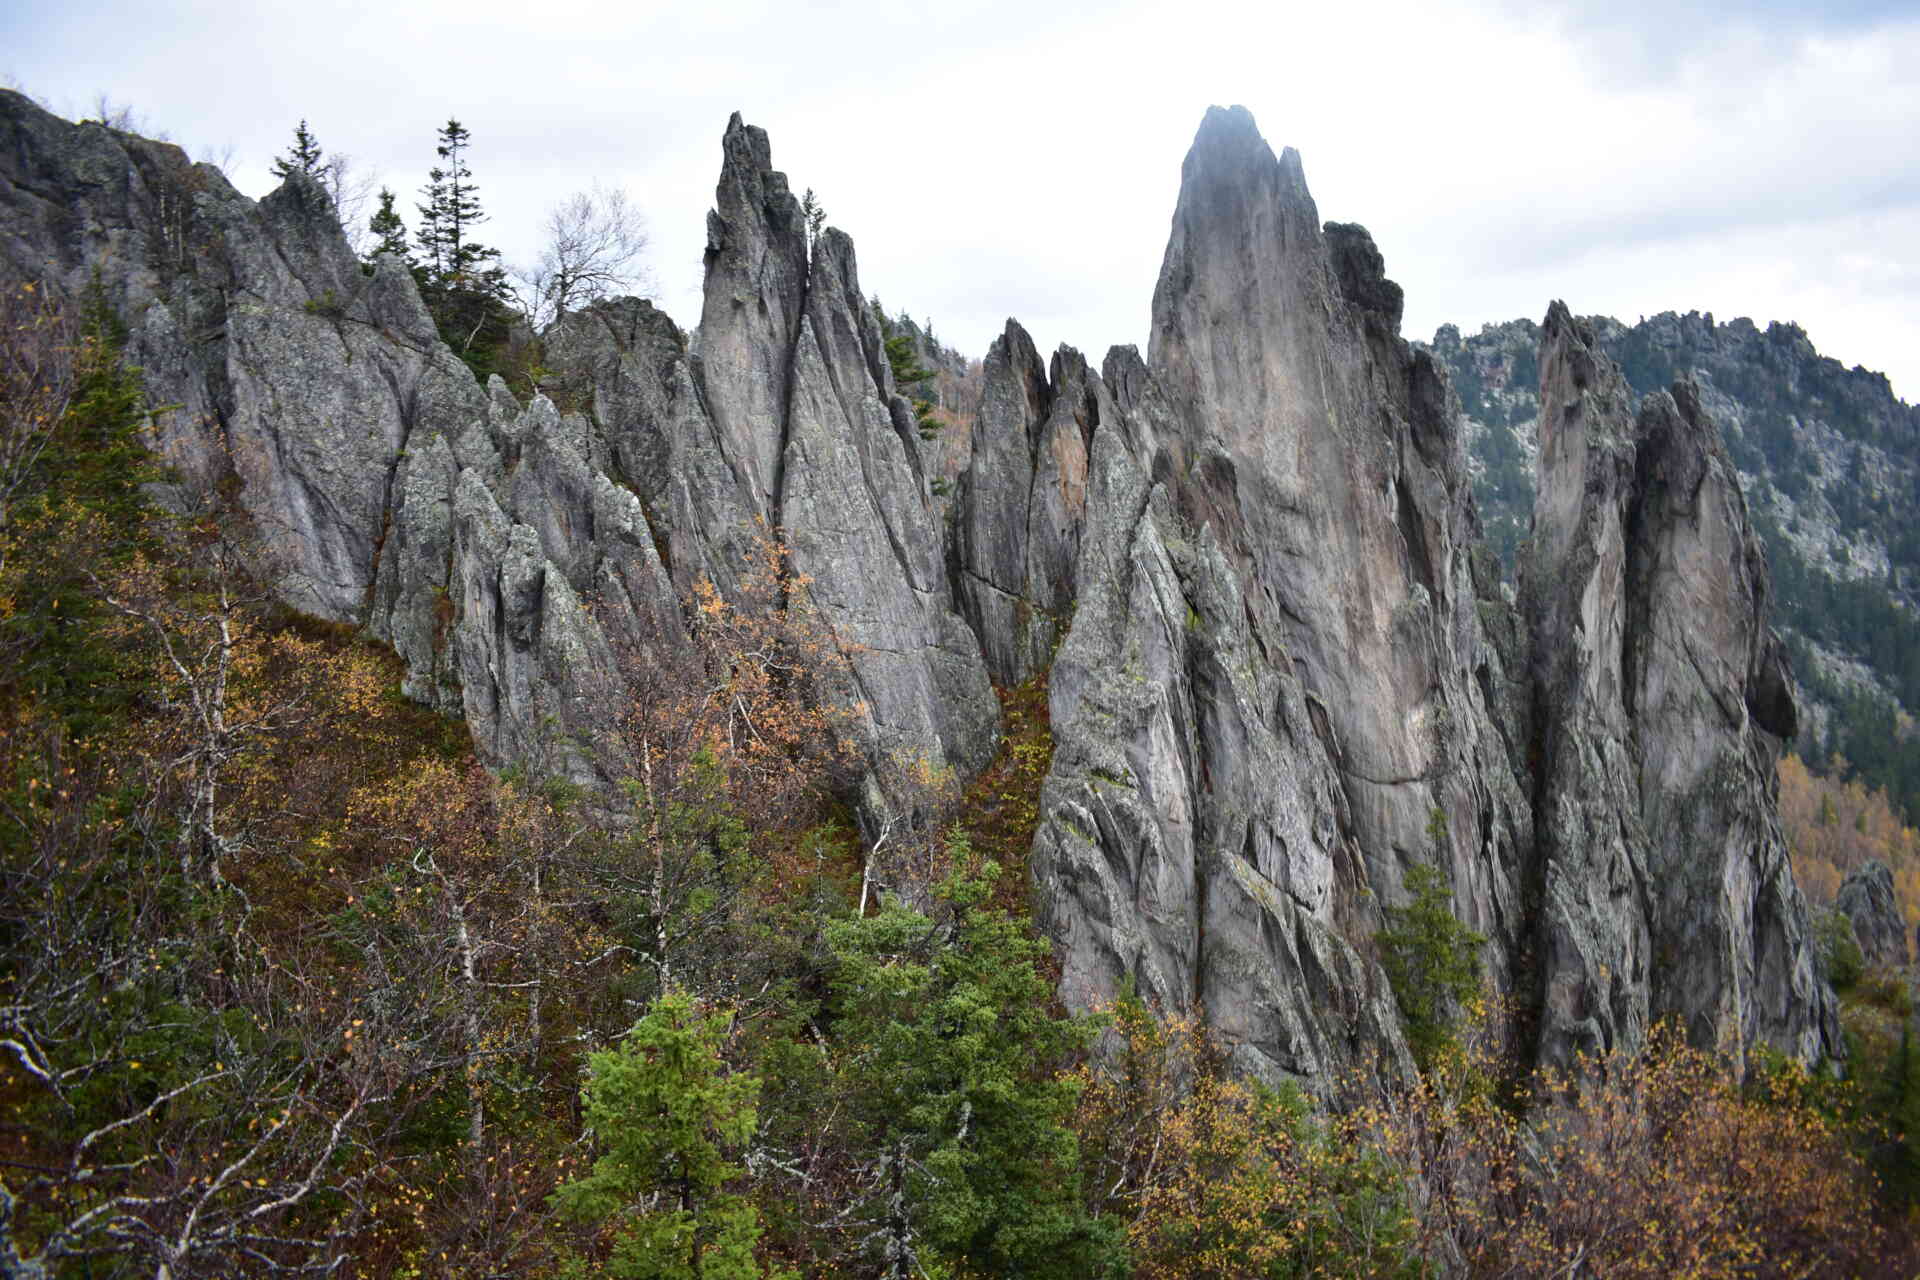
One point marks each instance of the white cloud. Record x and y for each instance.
(992, 158)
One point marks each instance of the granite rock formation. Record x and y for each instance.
(1662, 699)
(1828, 462)
(472, 532)
(1267, 706)
(1282, 669)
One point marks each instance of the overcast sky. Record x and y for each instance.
(995, 158)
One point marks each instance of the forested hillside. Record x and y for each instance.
(295, 985)
(777, 799)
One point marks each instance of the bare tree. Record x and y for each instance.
(174, 1098)
(351, 189)
(220, 157)
(122, 117)
(594, 244)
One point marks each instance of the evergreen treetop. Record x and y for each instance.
(453, 259)
(304, 156)
(390, 234)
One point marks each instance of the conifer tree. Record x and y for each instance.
(461, 280)
(390, 234)
(304, 156)
(671, 1122)
(948, 1077)
(454, 260)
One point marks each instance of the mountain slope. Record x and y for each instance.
(1282, 673)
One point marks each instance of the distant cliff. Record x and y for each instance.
(1283, 668)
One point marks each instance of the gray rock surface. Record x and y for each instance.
(1292, 673)
(756, 292)
(519, 558)
(1266, 708)
(295, 373)
(1662, 698)
(1866, 899)
(1282, 669)
(857, 517)
(1023, 503)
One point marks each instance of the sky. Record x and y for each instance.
(994, 158)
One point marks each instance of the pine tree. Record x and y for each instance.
(948, 1073)
(461, 280)
(911, 377)
(303, 157)
(390, 234)
(815, 215)
(454, 259)
(1432, 960)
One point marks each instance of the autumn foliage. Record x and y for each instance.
(1835, 825)
(291, 983)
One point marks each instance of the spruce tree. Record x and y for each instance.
(390, 234)
(304, 156)
(454, 259)
(948, 1071)
(671, 1122)
(461, 280)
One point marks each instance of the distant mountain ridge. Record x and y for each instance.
(1829, 459)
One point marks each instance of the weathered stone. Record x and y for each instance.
(1023, 503)
(857, 520)
(1191, 834)
(1660, 702)
(756, 292)
(1287, 695)
(293, 371)
(1866, 898)
(629, 363)
(1286, 672)
(787, 427)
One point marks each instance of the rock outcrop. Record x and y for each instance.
(517, 557)
(1023, 502)
(1282, 670)
(1866, 899)
(1828, 461)
(294, 373)
(1267, 707)
(1662, 699)
(1237, 791)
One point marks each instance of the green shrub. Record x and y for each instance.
(1432, 960)
(1839, 949)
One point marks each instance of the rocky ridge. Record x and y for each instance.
(1282, 670)
(1827, 459)
(1662, 706)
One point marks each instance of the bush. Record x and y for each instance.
(1839, 949)
(1221, 1177)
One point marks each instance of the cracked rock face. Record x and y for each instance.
(295, 373)
(1267, 705)
(1662, 700)
(1023, 503)
(515, 556)
(1290, 674)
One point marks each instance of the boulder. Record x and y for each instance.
(1866, 899)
